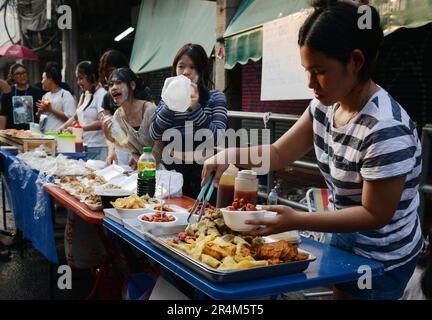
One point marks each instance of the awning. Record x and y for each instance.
(243, 37)
(165, 26)
(403, 13)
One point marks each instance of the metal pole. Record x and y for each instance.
(259, 116)
(425, 141)
(306, 165)
(286, 202)
(427, 188)
(270, 175)
(4, 204)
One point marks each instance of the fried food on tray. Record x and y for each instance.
(111, 186)
(208, 206)
(279, 252)
(93, 199)
(25, 135)
(158, 217)
(19, 133)
(223, 253)
(211, 222)
(230, 252)
(90, 176)
(148, 200)
(131, 202)
(67, 179)
(13, 132)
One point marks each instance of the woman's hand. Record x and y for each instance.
(194, 96)
(218, 163)
(110, 159)
(132, 163)
(106, 128)
(286, 219)
(44, 106)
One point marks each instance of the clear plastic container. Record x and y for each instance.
(116, 131)
(246, 186)
(225, 193)
(66, 143)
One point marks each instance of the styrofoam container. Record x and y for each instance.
(114, 215)
(126, 212)
(147, 225)
(95, 164)
(130, 183)
(94, 207)
(235, 220)
(118, 180)
(110, 172)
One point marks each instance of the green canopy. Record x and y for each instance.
(403, 13)
(243, 37)
(164, 26)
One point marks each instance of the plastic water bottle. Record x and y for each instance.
(146, 183)
(273, 196)
(116, 131)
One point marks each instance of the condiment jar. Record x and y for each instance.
(225, 193)
(246, 186)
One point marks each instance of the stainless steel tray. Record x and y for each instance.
(225, 276)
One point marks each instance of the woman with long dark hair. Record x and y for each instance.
(133, 115)
(208, 110)
(367, 149)
(108, 62)
(88, 113)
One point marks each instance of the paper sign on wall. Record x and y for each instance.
(283, 77)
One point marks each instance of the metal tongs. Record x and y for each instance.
(209, 183)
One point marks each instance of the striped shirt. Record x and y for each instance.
(212, 115)
(381, 142)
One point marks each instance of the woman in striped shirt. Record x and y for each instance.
(367, 149)
(208, 110)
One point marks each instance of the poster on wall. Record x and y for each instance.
(283, 77)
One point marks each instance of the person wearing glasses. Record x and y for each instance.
(18, 107)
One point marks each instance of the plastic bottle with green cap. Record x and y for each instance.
(146, 183)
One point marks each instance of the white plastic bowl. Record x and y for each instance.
(147, 225)
(235, 220)
(176, 208)
(127, 212)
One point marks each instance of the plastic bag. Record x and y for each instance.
(19, 171)
(176, 93)
(41, 201)
(165, 188)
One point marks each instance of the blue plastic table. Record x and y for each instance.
(332, 266)
(21, 191)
